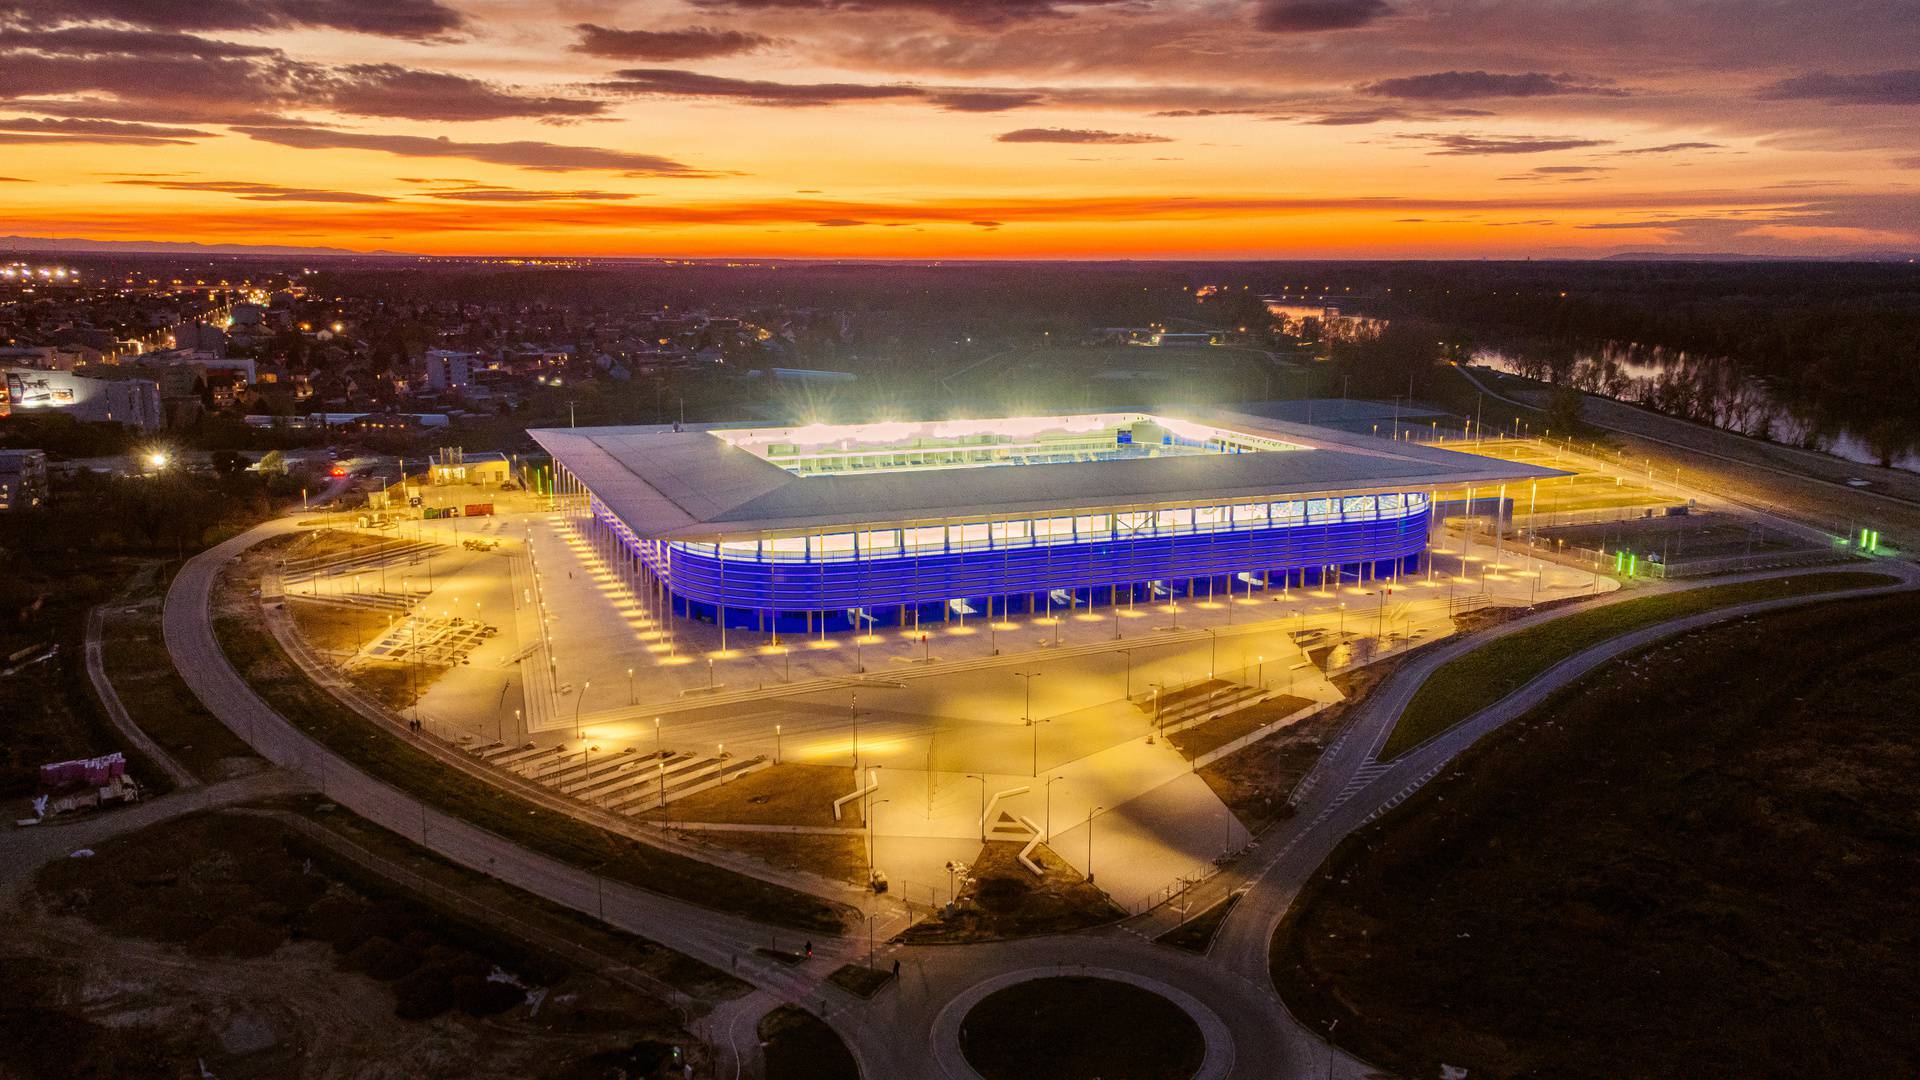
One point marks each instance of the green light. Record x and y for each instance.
(1633, 565)
(1619, 561)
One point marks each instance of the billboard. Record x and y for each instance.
(38, 390)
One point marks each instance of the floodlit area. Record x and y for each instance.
(940, 716)
(1049, 723)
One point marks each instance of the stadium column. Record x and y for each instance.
(720, 601)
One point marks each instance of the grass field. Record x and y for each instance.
(1078, 1028)
(800, 1046)
(1196, 934)
(1695, 862)
(1469, 683)
(242, 633)
(157, 699)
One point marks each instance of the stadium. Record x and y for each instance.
(830, 527)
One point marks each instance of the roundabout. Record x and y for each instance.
(1080, 1022)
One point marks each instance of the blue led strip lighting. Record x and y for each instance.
(798, 584)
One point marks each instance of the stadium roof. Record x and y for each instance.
(691, 484)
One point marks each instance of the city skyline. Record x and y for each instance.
(1005, 129)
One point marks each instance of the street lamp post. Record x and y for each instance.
(983, 804)
(871, 803)
(582, 696)
(1051, 780)
(776, 744)
(1090, 812)
(1029, 676)
(629, 686)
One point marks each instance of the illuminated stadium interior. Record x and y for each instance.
(831, 527)
(842, 449)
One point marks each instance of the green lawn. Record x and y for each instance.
(1466, 684)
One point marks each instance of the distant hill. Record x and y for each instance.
(1735, 256)
(163, 247)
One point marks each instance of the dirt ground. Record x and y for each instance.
(142, 673)
(228, 941)
(1255, 780)
(1002, 899)
(784, 794)
(1697, 862)
(832, 856)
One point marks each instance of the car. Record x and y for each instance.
(337, 471)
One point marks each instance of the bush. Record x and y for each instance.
(424, 994)
(382, 959)
(479, 996)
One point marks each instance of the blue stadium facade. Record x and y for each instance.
(821, 530)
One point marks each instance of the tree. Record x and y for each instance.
(274, 463)
(228, 462)
(1563, 410)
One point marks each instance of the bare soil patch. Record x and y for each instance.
(1003, 899)
(1712, 876)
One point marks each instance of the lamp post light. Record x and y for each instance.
(656, 738)
(629, 686)
(582, 696)
(1090, 812)
(867, 814)
(1029, 676)
(1051, 780)
(983, 804)
(776, 744)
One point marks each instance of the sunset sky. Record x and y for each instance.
(989, 129)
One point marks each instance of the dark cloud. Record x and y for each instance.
(1456, 85)
(1308, 16)
(671, 82)
(387, 18)
(488, 193)
(109, 128)
(156, 76)
(391, 90)
(691, 43)
(539, 156)
(1566, 174)
(97, 40)
(8, 138)
(259, 192)
(1872, 88)
(1908, 162)
(1078, 136)
(986, 101)
(979, 12)
(1181, 114)
(1668, 148)
(1354, 117)
(1454, 145)
(841, 223)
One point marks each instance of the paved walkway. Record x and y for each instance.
(1250, 1033)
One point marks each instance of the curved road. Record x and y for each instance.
(907, 1031)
